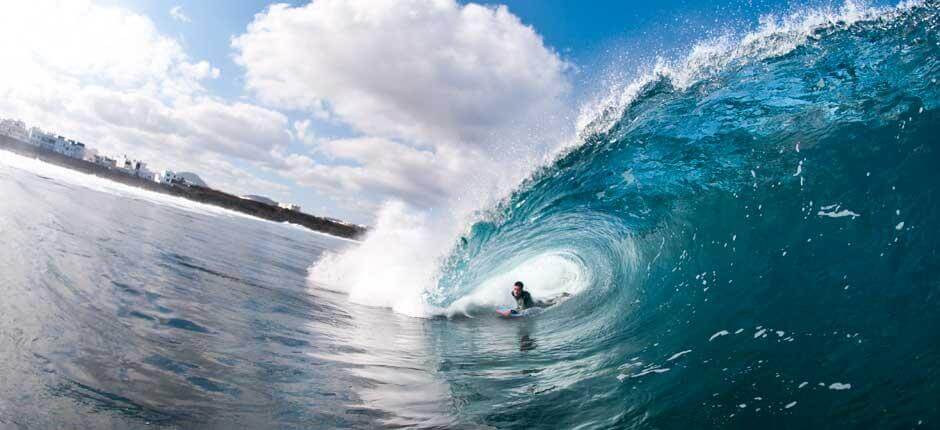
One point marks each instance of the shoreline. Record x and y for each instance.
(194, 193)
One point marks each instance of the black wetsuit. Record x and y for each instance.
(524, 301)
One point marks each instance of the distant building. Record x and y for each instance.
(14, 128)
(41, 139)
(168, 177)
(75, 150)
(35, 134)
(66, 147)
(102, 160)
(289, 206)
(61, 145)
(260, 199)
(135, 168)
(141, 170)
(125, 164)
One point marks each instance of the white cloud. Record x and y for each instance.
(303, 133)
(431, 83)
(425, 84)
(417, 69)
(79, 40)
(108, 77)
(199, 71)
(176, 12)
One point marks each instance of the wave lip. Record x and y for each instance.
(761, 225)
(749, 223)
(775, 36)
(711, 106)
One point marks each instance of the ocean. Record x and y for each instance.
(749, 238)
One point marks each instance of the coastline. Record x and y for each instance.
(194, 193)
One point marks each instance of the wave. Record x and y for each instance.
(686, 167)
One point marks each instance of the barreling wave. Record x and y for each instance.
(756, 130)
(772, 198)
(759, 217)
(749, 117)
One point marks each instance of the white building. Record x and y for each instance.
(170, 177)
(289, 206)
(41, 139)
(59, 145)
(67, 147)
(105, 161)
(14, 128)
(125, 163)
(141, 170)
(135, 168)
(75, 150)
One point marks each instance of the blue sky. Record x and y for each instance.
(590, 34)
(332, 135)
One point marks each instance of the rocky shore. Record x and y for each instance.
(191, 192)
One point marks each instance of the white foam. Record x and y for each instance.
(392, 268)
(630, 365)
(678, 354)
(839, 386)
(718, 334)
(775, 35)
(836, 211)
(649, 371)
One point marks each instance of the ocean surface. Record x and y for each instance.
(750, 238)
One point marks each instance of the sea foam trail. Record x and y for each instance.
(399, 265)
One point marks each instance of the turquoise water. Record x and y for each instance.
(760, 248)
(750, 245)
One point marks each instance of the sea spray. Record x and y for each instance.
(425, 258)
(392, 268)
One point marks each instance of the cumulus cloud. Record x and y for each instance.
(176, 12)
(430, 82)
(418, 69)
(434, 90)
(107, 76)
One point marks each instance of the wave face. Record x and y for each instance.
(750, 237)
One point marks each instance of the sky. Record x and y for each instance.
(337, 105)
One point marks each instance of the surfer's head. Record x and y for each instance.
(517, 289)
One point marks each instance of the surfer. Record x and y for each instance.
(524, 301)
(523, 298)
